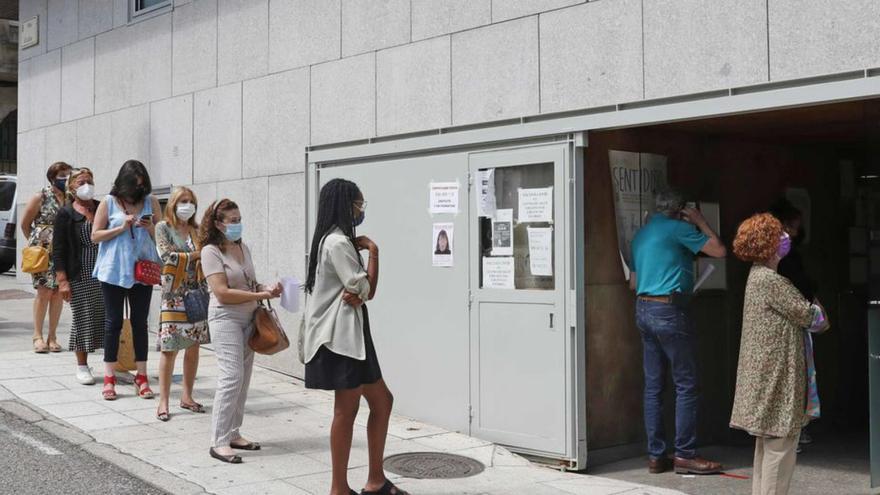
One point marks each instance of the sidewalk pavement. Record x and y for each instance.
(291, 422)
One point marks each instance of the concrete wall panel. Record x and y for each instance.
(32, 164)
(343, 100)
(45, 90)
(303, 32)
(151, 60)
(171, 141)
(63, 23)
(61, 144)
(205, 195)
(413, 84)
(25, 89)
(217, 134)
(693, 45)
(94, 150)
(120, 13)
(495, 72)
(194, 64)
(95, 17)
(509, 9)
(112, 70)
(78, 80)
(577, 72)
(437, 17)
(130, 131)
(275, 123)
(243, 31)
(814, 37)
(28, 9)
(374, 25)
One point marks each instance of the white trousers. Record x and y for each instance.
(774, 465)
(235, 363)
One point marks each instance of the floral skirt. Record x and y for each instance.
(179, 336)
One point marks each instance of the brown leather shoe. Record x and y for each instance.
(661, 465)
(696, 465)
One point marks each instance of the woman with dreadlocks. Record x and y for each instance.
(337, 347)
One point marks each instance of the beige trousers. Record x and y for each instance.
(774, 465)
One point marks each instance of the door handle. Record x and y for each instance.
(551, 321)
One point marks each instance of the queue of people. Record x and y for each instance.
(776, 393)
(105, 256)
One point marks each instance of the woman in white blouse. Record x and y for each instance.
(338, 348)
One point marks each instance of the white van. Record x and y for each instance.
(7, 222)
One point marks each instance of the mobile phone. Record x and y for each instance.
(146, 217)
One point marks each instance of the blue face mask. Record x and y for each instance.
(360, 218)
(61, 183)
(233, 231)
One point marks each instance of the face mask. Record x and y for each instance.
(784, 246)
(61, 183)
(85, 192)
(233, 231)
(185, 211)
(360, 218)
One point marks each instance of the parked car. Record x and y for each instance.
(8, 222)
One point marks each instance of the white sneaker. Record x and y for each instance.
(84, 375)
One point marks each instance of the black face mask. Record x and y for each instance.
(138, 194)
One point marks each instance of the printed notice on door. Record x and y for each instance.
(486, 192)
(498, 273)
(541, 251)
(444, 197)
(502, 233)
(441, 244)
(536, 205)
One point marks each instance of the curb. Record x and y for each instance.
(145, 471)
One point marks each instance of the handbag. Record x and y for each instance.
(125, 360)
(269, 336)
(148, 272)
(34, 259)
(195, 303)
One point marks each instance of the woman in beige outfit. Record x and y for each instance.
(771, 381)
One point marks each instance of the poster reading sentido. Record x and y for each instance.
(441, 245)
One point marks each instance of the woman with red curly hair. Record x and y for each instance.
(771, 384)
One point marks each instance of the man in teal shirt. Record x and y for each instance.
(663, 254)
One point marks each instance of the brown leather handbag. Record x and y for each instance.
(269, 336)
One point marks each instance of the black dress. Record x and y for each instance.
(331, 371)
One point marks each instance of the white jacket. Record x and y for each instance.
(328, 320)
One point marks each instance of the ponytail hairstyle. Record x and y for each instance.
(334, 210)
(209, 234)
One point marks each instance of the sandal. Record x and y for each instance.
(387, 489)
(162, 416)
(247, 446)
(40, 346)
(109, 391)
(194, 407)
(54, 347)
(143, 387)
(231, 459)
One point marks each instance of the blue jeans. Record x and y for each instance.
(668, 341)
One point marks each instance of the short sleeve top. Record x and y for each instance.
(238, 275)
(663, 252)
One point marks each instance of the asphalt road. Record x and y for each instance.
(34, 462)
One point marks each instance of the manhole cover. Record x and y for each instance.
(433, 465)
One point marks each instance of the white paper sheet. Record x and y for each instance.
(498, 273)
(485, 192)
(502, 233)
(443, 197)
(290, 295)
(536, 205)
(441, 245)
(541, 251)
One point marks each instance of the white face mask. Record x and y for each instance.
(185, 211)
(85, 192)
